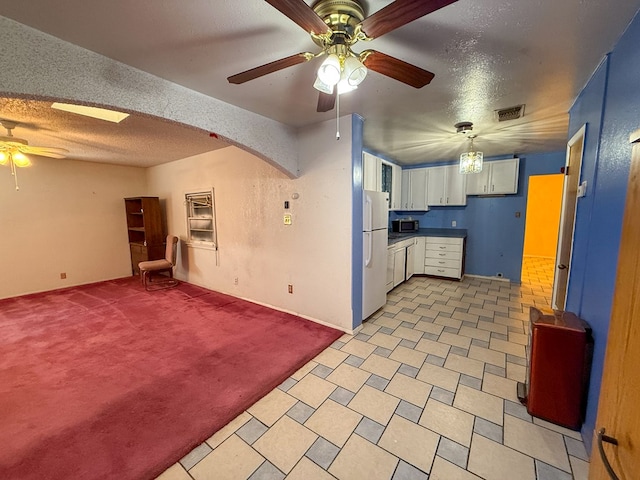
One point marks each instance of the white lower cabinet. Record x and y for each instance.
(400, 262)
(390, 265)
(409, 270)
(444, 257)
(418, 256)
(438, 256)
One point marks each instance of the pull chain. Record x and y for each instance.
(337, 115)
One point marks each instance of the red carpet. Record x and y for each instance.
(108, 381)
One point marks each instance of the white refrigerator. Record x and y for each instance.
(375, 211)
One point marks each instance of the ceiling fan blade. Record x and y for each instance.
(326, 101)
(396, 68)
(270, 68)
(45, 151)
(399, 13)
(302, 14)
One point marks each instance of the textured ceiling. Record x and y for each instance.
(138, 140)
(486, 55)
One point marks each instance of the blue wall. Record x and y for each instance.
(609, 104)
(357, 127)
(495, 236)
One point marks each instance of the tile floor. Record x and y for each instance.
(538, 271)
(425, 390)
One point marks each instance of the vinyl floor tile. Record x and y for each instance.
(425, 390)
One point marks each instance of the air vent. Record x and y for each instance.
(510, 113)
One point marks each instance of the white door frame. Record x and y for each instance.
(579, 136)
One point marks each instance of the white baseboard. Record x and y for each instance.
(484, 277)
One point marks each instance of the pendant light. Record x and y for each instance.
(471, 161)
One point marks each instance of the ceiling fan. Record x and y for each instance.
(14, 150)
(335, 26)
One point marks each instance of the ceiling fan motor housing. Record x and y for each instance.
(342, 16)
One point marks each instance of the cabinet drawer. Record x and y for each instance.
(443, 247)
(442, 255)
(442, 271)
(444, 240)
(441, 263)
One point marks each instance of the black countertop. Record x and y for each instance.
(395, 237)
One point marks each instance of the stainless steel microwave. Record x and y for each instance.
(405, 225)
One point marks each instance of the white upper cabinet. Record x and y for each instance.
(396, 188)
(372, 176)
(446, 186)
(499, 177)
(382, 176)
(414, 189)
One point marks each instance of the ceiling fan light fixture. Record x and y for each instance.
(345, 87)
(330, 70)
(21, 160)
(354, 71)
(323, 87)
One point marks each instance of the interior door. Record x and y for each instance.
(567, 218)
(618, 411)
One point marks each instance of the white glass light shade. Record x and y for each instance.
(323, 87)
(329, 71)
(354, 71)
(21, 160)
(4, 158)
(345, 87)
(471, 162)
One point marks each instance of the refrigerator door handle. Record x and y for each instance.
(367, 262)
(368, 213)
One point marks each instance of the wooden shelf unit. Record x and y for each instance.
(144, 227)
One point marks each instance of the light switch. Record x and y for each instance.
(582, 189)
(287, 219)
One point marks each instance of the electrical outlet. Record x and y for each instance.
(454, 223)
(287, 219)
(63, 276)
(290, 288)
(235, 281)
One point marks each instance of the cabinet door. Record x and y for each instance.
(396, 197)
(435, 186)
(418, 187)
(504, 176)
(455, 187)
(478, 183)
(409, 271)
(390, 265)
(405, 190)
(371, 179)
(418, 256)
(399, 257)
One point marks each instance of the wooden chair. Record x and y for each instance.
(149, 268)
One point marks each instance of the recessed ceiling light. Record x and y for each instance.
(100, 113)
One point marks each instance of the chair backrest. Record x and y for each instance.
(171, 251)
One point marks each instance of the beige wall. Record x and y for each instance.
(67, 217)
(313, 254)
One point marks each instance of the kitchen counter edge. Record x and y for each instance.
(395, 237)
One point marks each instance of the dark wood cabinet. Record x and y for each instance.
(144, 227)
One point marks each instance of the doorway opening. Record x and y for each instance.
(544, 204)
